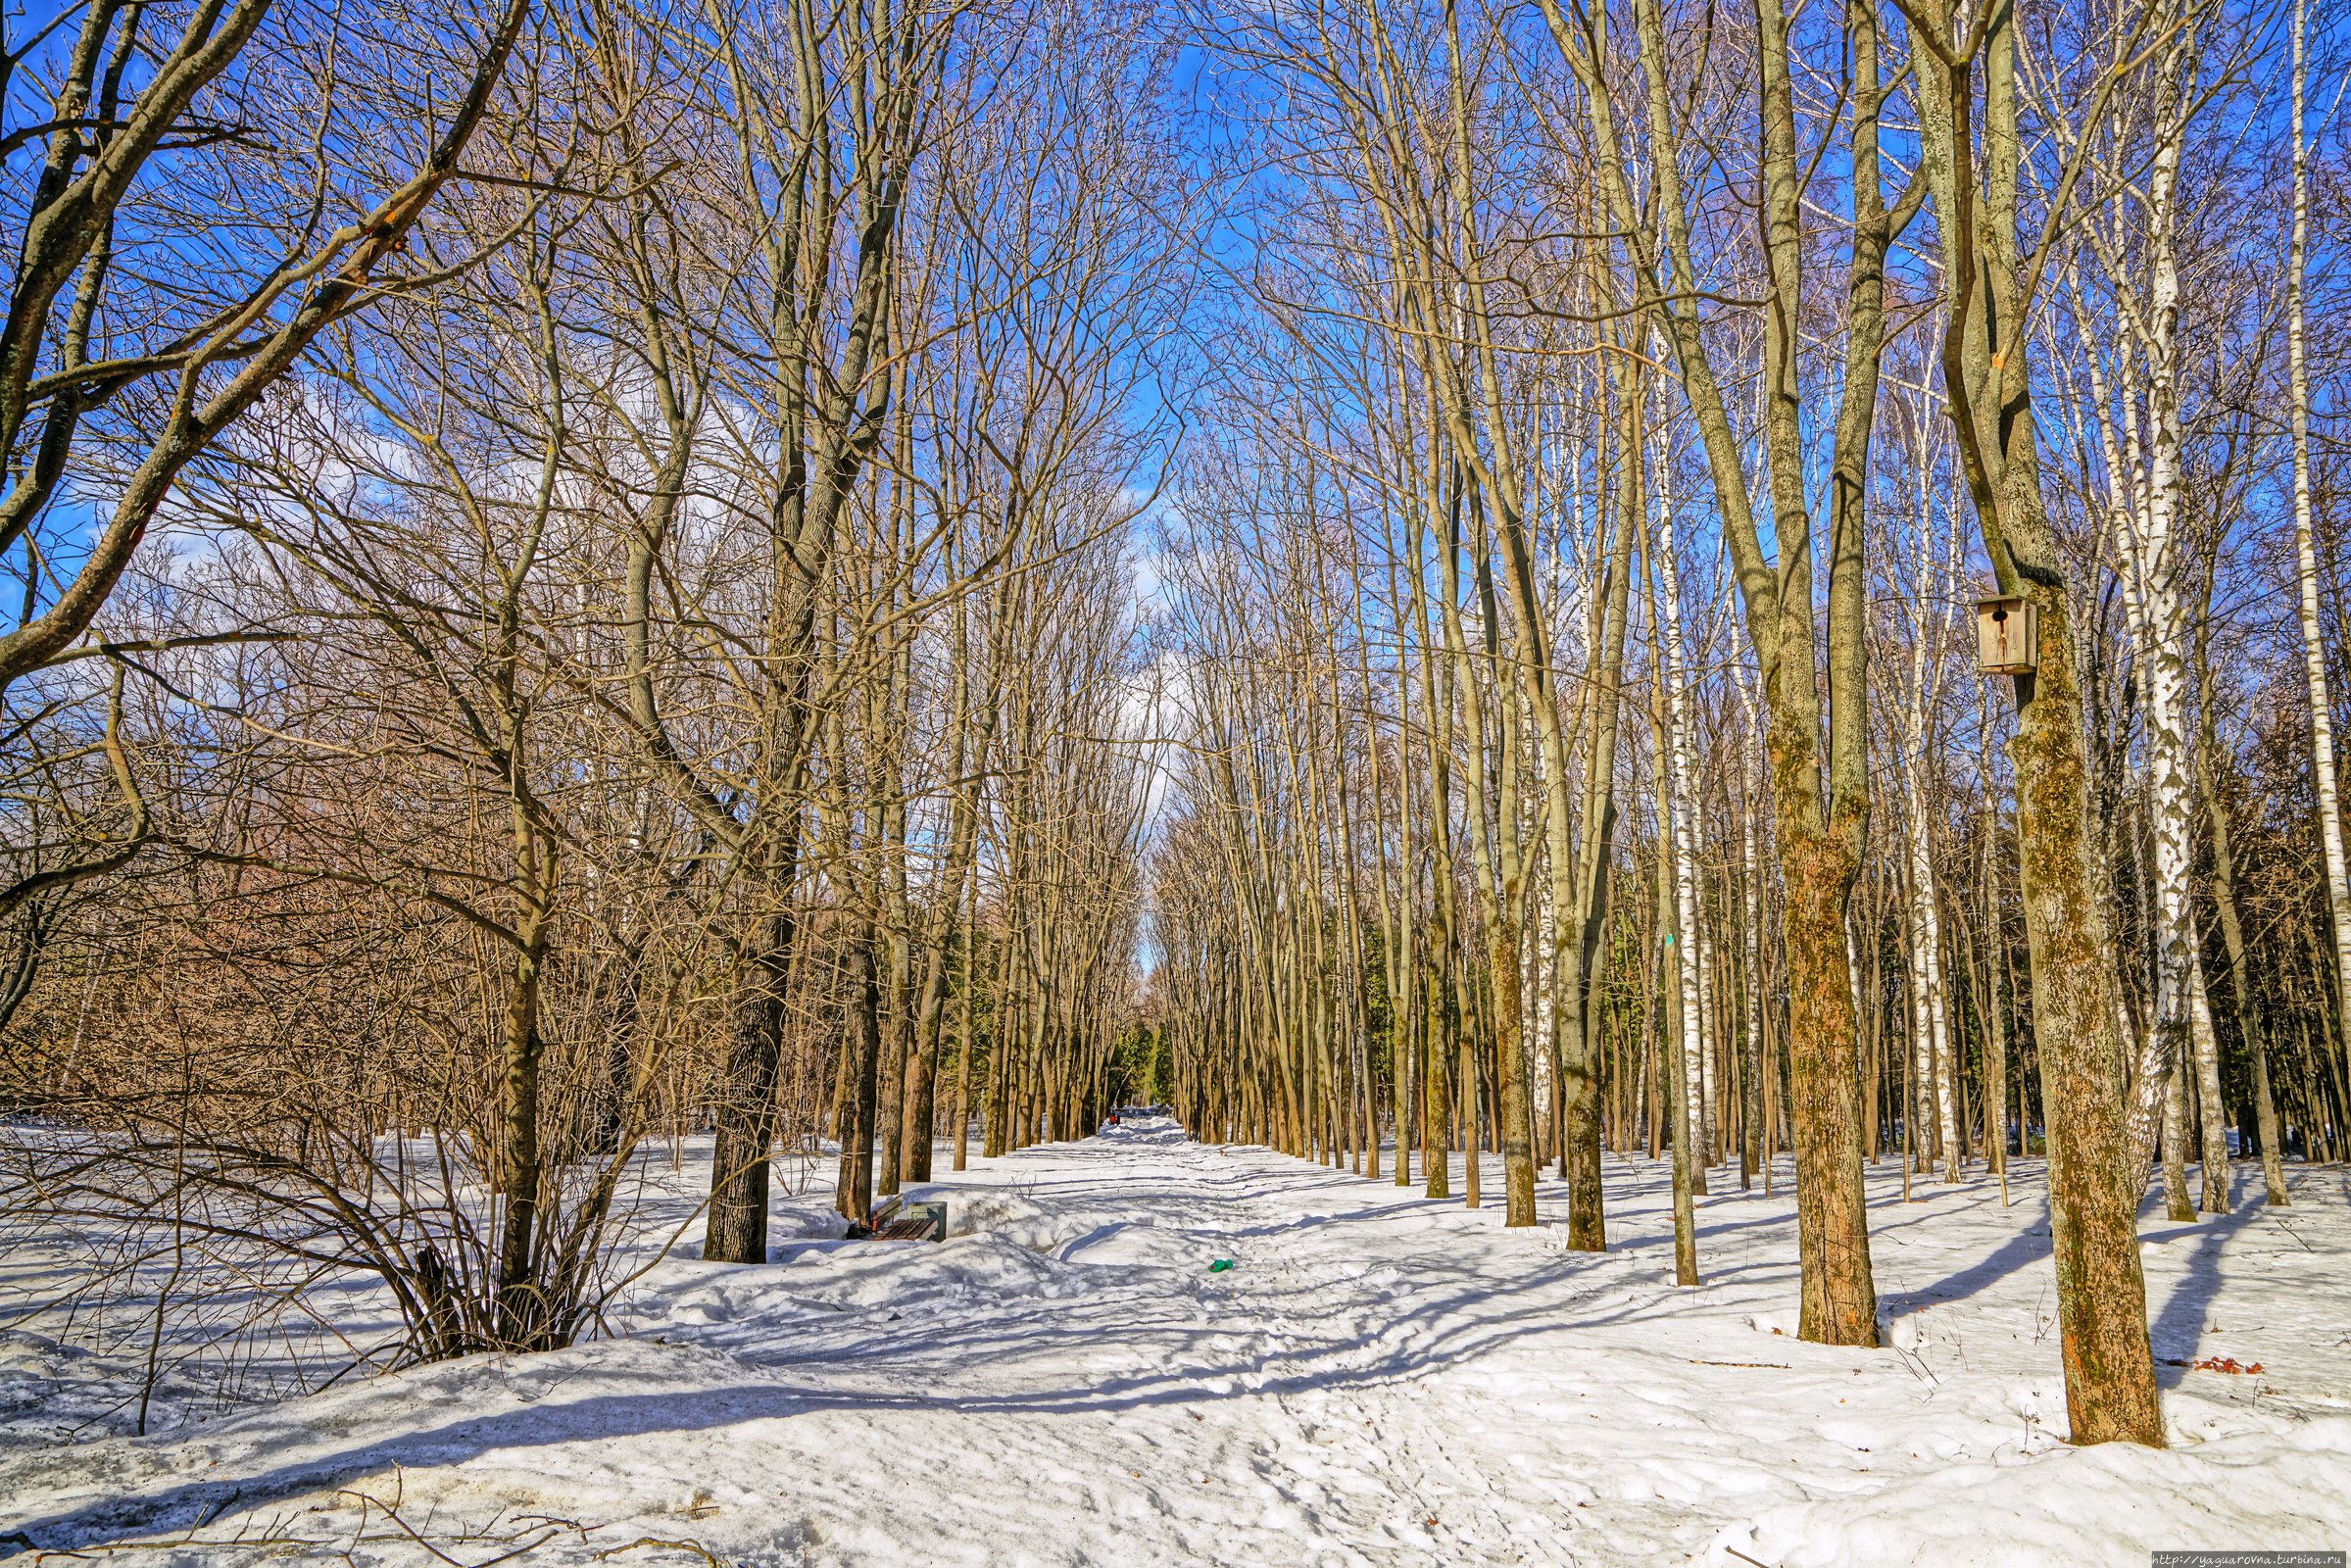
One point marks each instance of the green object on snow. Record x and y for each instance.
(1220, 1265)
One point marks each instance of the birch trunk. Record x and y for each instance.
(2305, 560)
(2146, 507)
(1931, 1052)
(1680, 795)
(1677, 1070)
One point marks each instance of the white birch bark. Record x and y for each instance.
(2143, 485)
(2175, 1144)
(1930, 1013)
(1710, 1135)
(2204, 1048)
(2162, 655)
(1931, 1033)
(1539, 968)
(1916, 1136)
(2306, 556)
(1687, 951)
(1751, 764)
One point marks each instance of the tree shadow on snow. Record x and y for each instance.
(2173, 1332)
(1462, 1322)
(2176, 1329)
(1433, 1327)
(2020, 1251)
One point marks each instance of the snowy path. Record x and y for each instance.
(1377, 1380)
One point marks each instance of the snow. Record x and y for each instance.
(1378, 1379)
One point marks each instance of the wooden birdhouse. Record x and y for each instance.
(2007, 641)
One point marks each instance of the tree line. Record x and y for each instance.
(1632, 412)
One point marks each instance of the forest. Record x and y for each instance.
(643, 632)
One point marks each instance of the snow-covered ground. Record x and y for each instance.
(1377, 1378)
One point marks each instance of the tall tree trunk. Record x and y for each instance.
(521, 1306)
(736, 1228)
(2102, 1301)
(1665, 611)
(1581, 958)
(2305, 560)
